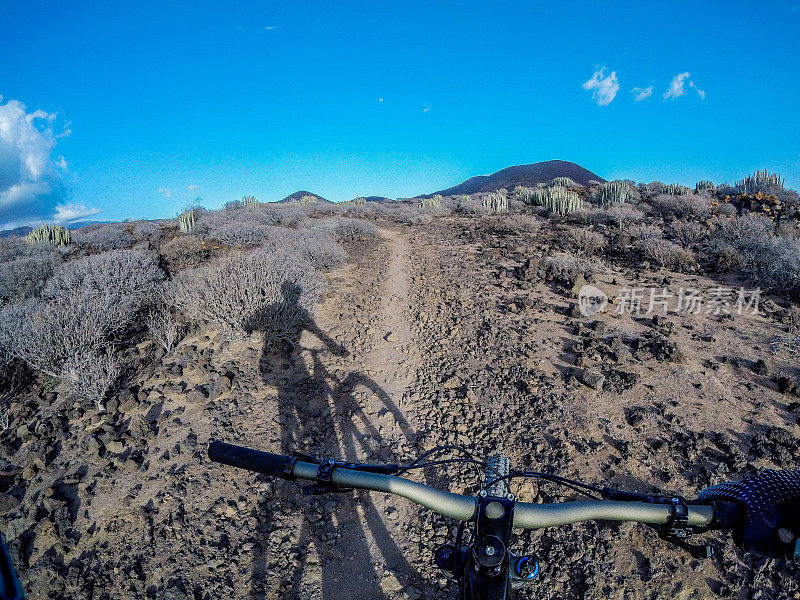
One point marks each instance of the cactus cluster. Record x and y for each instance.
(705, 185)
(434, 201)
(57, 235)
(464, 198)
(565, 182)
(249, 202)
(760, 181)
(614, 192)
(561, 201)
(307, 199)
(670, 189)
(359, 201)
(524, 194)
(186, 221)
(496, 202)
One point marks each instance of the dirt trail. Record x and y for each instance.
(392, 360)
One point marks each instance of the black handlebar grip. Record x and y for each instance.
(257, 461)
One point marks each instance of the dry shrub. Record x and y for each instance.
(586, 240)
(682, 207)
(520, 223)
(72, 326)
(261, 290)
(666, 254)
(688, 233)
(163, 326)
(768, 260)
(568, 264)
(184, 252)
(104, 236)
(343, 229)
(624, 214)
(24, 277)
(643, 233)
(244, 233)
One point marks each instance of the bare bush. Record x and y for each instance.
(344, 229)
(586, 240)
(105, 236)
(122, 279)
(688, 232)
(245, 233)
(315, 247)
(83, 305)
(88, 376)
(682, 207)
(643, 233)
(570, 263)
(521, 223)
(261, 290)
(24, 277)
(749, 243)
(624, 214)
(665, 253)
(727, 210)
(146, 230)
(163, 326)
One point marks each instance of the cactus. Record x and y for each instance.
(671, 189)
(565, 182)
(250, 202)
(57, 235)
(186, 221)
(464, 198)
(307, 199)
(561, 201)
(434, 201)
(759, 182)
(704, 185)
(497, 201)
(614, 192)
(359, 201)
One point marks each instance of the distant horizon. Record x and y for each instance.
(218, 205)
(113, 113)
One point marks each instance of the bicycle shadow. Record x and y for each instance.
(321, 414)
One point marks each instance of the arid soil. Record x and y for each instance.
(443, 333)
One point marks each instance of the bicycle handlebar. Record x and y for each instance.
(457, 506)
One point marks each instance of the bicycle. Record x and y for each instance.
(763, 512)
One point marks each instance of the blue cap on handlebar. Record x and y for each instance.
(520, 568)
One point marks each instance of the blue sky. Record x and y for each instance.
(219, 100)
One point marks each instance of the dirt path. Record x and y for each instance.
(392, 359)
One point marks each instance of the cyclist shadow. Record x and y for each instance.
(321, 414)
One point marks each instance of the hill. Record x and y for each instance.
(541, 172)
(300, 194)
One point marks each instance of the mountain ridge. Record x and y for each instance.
(529, 174)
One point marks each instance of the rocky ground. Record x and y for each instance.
(452, 332)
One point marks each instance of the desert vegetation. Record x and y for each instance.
(117, 339)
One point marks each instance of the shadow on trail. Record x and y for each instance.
(321, 415)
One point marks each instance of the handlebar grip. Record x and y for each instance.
(257, 461)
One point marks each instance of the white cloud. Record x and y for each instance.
(32, 187)
(603, 87)
(676, 88)
(271, 27)
(166, 192)
(642, 93)
(701, 93)
(67, 213)
(194, 187)
(380, 99)
(427, 108)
